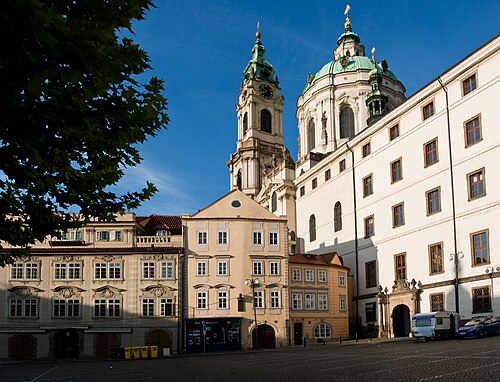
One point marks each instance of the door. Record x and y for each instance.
(266, 340)
(401, 321)
(297, 333)
(104, 342)
(21, 347)
(66, 344)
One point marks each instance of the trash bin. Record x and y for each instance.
(128, 352)
(166, 352)
(136, 351)
(154, 351)
(144, 351)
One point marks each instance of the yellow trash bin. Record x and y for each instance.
(136, 351)
(144, 351)
(154, 351)
(128, 353)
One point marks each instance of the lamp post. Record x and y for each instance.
(383, 299)
(454, 257)
(490, 271)
(253, 283)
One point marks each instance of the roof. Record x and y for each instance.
(152, 223)
(331, 258)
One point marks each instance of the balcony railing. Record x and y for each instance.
(164, 241)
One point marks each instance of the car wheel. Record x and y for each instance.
(480, 334)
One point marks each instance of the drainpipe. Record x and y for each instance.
(455, 255)
(356, 251)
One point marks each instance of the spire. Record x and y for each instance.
(258, 66)
(347, 25)
(348, 35)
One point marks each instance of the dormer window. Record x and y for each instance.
(161, 232)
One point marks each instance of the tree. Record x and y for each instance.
(72, 112)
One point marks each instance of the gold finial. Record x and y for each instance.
(373, 54)
(347, 20)
(258, 34)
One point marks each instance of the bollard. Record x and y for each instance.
(340, 338)
(304, 341)
(356, 337)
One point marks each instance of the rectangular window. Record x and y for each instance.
(222, 238)
(115, 236)
(107, 308)
(74, 271)
(367, 186)
(222, 299)
(371, 274)
(100, 308)
(296, 274)
(107, 271)
(222, 268)
(103, 235)
(314, 183)
(322, 276)
(480, 248)
(473, 132)
(398, 216)
(148, 307)
(328, 175)
(309, 275)
(396, 171)
(275, 298)
(257, 238)
(60, 271)
(370, 312)
(400, 266)
(481, 300)
(476, 184)
(257, 268)
(201, 300)
(393, 132)
(469, 84)
(202, 237)
(342, 303)
(148, 270)
(66, 308)
(31, 271)
(342, 165)
(431, 152)
(428, 110)
(297, 301)
(16, 271)
(114, 308)
(167, 269)
(302, 191)
(167, 307)
(369, 226)
(310, 301)
(115, 270)
(433, 200)
(75, 235)
(437, 302)
(366, 150)
(436, 258)
(274, 268)
(201, 268)
(322, 301)
(23, 308)
(342, 280)
(101, 270)
(273, 238)
(258, 299)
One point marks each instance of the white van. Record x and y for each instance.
(434, 325)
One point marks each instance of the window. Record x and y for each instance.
(167, 270)
(24, 271)
(366, 150)
(328, 175)
(322, 301)
(222, 238)
(469, 84)
(436, 259)
(161, 232)
(396, 171)
(66, 308)
(108, 270)
(342, 303)
(369, 226)
(310, 301)
(296, 301)
(265, 121)
(400, 266)
(342, 280)
(337, 217)
(371, 274)
(275, 298)
(312, 228)
(428, 110)
(222, 268)
(346, 123)
(148, 270)
(311, 141)
(148, 307)
(367, 186)
(480, 248)
(67, 271)
(167, 307)
(302, 191)
(296, 274)
(437, 302)
(273, 238)
(473, 133)
(309, 275)
(431, 152)
(103, 235)
(245, 123)
(109, 235)
(322, 331)
(433, 200)
(370, 312)
(274, 202)
(107, 308)
(398, 216)
(393, 132)
(257, 238)
(73, 236)
(314, 183)
(26, 307)
(476, 184)
(201, 300)
(322, 276)
(257, 268)
(202, 237)
(342, 165)
(222, 300)
(274, 268)
(481, 300)
(201, 268)
(258, 299)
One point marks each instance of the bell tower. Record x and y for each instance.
(259, 147)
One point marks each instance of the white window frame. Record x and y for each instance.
(296, 274)
(257, 238)
(258, 299)
(257, 268)
(222, 299)
(273, 238)
(23, 307)
(297, 301)
(222, 268)
(322, 276)
(342, 280)
(342, 303)
(275, 298)
(274, 268)
(68, 308)
(202, 268)
(164, 304)
(25, 271)
(202, 299)
(310, 301)
(222, 238)
(202, 238)
(308, 275)
(167, 270)
(148, 270)
(322, 301)
(148, 307)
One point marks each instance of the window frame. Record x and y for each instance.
(24, 306)
(467, 80)
(202, 237)
(430, 105)
(309, 275)
(485, 308)
(273, 238)
(366, 150)
(439, 303)
(296, 272)
(369, 226)
(427, 162)
(371, 277)
(322, 330)
(396, 128)
(479, 127)
(429, 202)
(223, 299)
(368, 185)
(222, 267)
(342, 303)
(314, 183)
(471, 186)
(398, 171)
(257, 268)
(309, 301)
(322, 276)
(328, 175)
(400, 269)
(486, 248)
(202, 268)
(297, 299)
(436, 265)
(342, 165)
(395, 222)
(322, 301)
(342, 280)
(202, 299)
(274, 268)
(274, 299)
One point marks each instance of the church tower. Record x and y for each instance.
(260, 137)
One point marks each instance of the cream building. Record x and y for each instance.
(102, 287)
(236, 276)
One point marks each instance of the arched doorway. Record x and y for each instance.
(267, 338)
(160, 338)
(104, 342)
(22, 347)
(66, 344)
(401, 321)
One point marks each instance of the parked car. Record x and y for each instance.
(479, 327)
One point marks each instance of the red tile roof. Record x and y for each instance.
(331, 258)
(153, 223)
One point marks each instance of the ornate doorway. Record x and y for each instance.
(267, 338)
(401, 321)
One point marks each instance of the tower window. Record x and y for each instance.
(274, 202)
(312, 228)
(337, 216)
(311, 143)
(265, 121)
(346, 123)
(245, 123)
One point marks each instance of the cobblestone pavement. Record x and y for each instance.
(453, 360)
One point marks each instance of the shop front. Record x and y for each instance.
(213, 335)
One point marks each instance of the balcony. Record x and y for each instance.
(159, 241)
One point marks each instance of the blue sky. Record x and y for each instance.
(201, 47)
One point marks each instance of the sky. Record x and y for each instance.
(201, 47)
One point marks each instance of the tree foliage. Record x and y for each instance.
(72, 112)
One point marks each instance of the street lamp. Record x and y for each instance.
(253, 283)
(454, 257)
(490, 271)
(383, 298)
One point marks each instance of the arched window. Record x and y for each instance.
(274, 202)
(265, 121)
(245, 123)
(312, 228)
(322, 331)
(311, 143)
(238, 180)
(346, 123)
(337, 217)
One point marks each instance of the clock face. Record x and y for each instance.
(266, 91)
